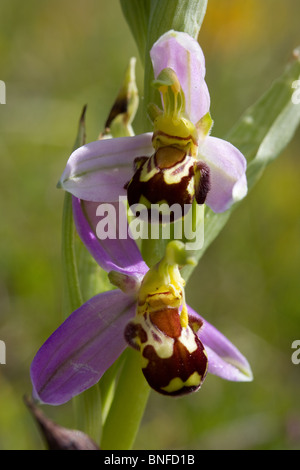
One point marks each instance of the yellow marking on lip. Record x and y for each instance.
(146, 175)
(184, 317)
(170, 175)
(188, 340)
(177, 383)
(162, 344)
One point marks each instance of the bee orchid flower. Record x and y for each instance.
(147, 311)
(179, 161)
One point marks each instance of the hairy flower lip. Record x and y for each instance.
(105, 182)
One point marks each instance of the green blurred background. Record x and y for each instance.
(56, 56)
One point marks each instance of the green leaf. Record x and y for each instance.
(87, 412)
(268, 126)
(87, 406)
(72, 297)
(92, 278)
(137, 14)
(261, 134)
(180, 15)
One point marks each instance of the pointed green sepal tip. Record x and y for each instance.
(244, 368)
(127, 283)
(205, 125)
(124, 109)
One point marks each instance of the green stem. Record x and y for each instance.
(132, 391)
(107, 386)
(153, 250)
(127, 409)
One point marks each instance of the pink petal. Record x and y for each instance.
(99, 170)
(112, 254)
(78, 353)
(182, 53)
(224, 359)
(227, 168)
